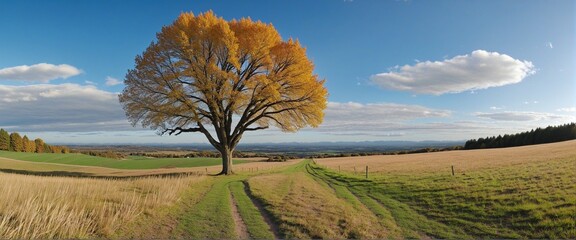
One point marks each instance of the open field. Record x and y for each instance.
(531, 194)
(42, 168)
(129, 163)
(463, 161)
(61, 207)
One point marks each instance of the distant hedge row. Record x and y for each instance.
(15, 143)
(537, 136)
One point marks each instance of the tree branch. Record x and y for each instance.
(180, 130)
(256, 128)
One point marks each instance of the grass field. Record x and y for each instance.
(527, 192)
(132, 162)
(59, 207)
(463, 161)
(524, 192)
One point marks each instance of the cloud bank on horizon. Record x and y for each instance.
(60, 107)
(479, 70)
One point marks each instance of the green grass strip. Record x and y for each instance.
(130, 163)
(212, 216)
(257, 227)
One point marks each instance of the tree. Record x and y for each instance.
(16, 144)
(222, 78)
(55, 149)
(4, 140)
(47, 148)
(39, 145)
(65, 149)
(28, 146)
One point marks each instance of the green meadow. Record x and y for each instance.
(132, 162)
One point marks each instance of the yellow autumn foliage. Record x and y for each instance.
(236, 75)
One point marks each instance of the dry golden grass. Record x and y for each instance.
(466, 160)
(255, 166)
(35, 207)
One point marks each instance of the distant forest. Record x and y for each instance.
(15, 143)
(538, 136)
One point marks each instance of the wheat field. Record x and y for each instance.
(35, 207)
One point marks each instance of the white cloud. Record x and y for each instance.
(479, 70)
(496, 108)
(567, 109)
(549, 44)
(63, 107)
(42, 72)
(110, 81)
(519, 116)
(371, 117)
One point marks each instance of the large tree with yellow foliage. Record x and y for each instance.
(222, 78)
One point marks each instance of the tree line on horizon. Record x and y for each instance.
(13, 142)
(549, 134)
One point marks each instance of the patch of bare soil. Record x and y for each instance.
(240, 226)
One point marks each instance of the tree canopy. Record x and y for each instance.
(234, 76)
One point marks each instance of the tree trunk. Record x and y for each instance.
(226, 161)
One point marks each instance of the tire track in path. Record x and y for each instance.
(239, 224)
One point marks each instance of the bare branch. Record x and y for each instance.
(180, 130)
(256, 128)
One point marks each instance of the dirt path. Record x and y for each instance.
(273, 227)
(239, 225)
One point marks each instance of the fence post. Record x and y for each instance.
(452, 170)
(206, 170)
(366, 171)
(355, 173)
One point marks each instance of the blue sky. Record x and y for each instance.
(395, 70)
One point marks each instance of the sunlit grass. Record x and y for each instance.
(531, 200)
(514, 199)
(61, 207)
(536, 200)
(255, 224)
(306, 209)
